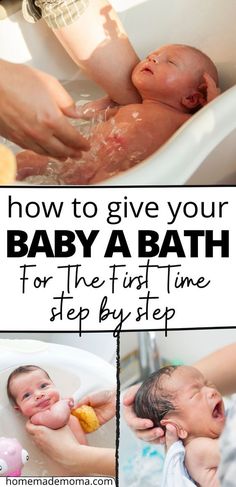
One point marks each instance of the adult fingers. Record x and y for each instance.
(129, 396)
(56, 149)
(153, 435)
(70, 136)
(135, 423)
(98, 398)
(171, 435)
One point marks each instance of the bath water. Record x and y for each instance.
(142, 466)
(82, 171)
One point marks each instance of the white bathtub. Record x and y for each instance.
(75, 372)
(204, 150)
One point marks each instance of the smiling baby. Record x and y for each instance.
(32, 392)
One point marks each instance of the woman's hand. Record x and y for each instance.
(78, 460)
(60, 445)
(103, 403)
(143, 428)
(33, 112)
(171, 435)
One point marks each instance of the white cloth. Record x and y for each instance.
(174, 472)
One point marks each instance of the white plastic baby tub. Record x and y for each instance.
(204, 150)
(75, 372)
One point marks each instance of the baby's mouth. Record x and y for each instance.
(219, 411)
(44, 403)
(147, 70)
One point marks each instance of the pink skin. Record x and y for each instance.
(38, 399)
(173, 82)
(33, 392)
(12, 457)
(172, 75)
(56, 417)
(199, 409)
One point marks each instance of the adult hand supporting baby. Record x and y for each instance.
(171, 435)
(143, 428)
(103, 403)
(33, 111)
(61, 446)
(223, 376)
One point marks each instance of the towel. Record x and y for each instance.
(174, 472)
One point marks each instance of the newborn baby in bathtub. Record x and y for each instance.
(174, 82)
(32, 392)
(180, 395)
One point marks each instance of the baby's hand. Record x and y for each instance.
(71, 402)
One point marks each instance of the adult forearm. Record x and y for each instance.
(98, 43)
(220, 368)
(88, 460)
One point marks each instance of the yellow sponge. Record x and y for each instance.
(7, 165)
(87, 418)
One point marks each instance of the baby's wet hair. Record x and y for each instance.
(23, 369)
(152, 401)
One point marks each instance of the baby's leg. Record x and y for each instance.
(77, 430)
(30, 164)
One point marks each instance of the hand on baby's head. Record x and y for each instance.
(182, 397)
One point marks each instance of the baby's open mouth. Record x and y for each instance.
(147, 70)
(219, 410)
(44, 403)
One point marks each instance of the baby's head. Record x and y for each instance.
(31, 390)
(181, 396)
(179, 76)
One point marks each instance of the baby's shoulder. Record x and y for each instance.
(203, 451)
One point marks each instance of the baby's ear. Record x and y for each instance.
(192, 102)
(208, 89)
(206, 92)
(16, 407)
(182, 433)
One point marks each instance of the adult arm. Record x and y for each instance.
(97, 42)
(62, 447)
(33, 111)
(220, 368)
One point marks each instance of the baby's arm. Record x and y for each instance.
(121, 142)
(56, 417)
(77, 430)
(202, 458)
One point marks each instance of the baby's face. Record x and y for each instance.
(33, 392)
(199, 406)
(168, 74)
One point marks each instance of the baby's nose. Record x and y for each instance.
(211, 392)
(154, 58)
(39, 393)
